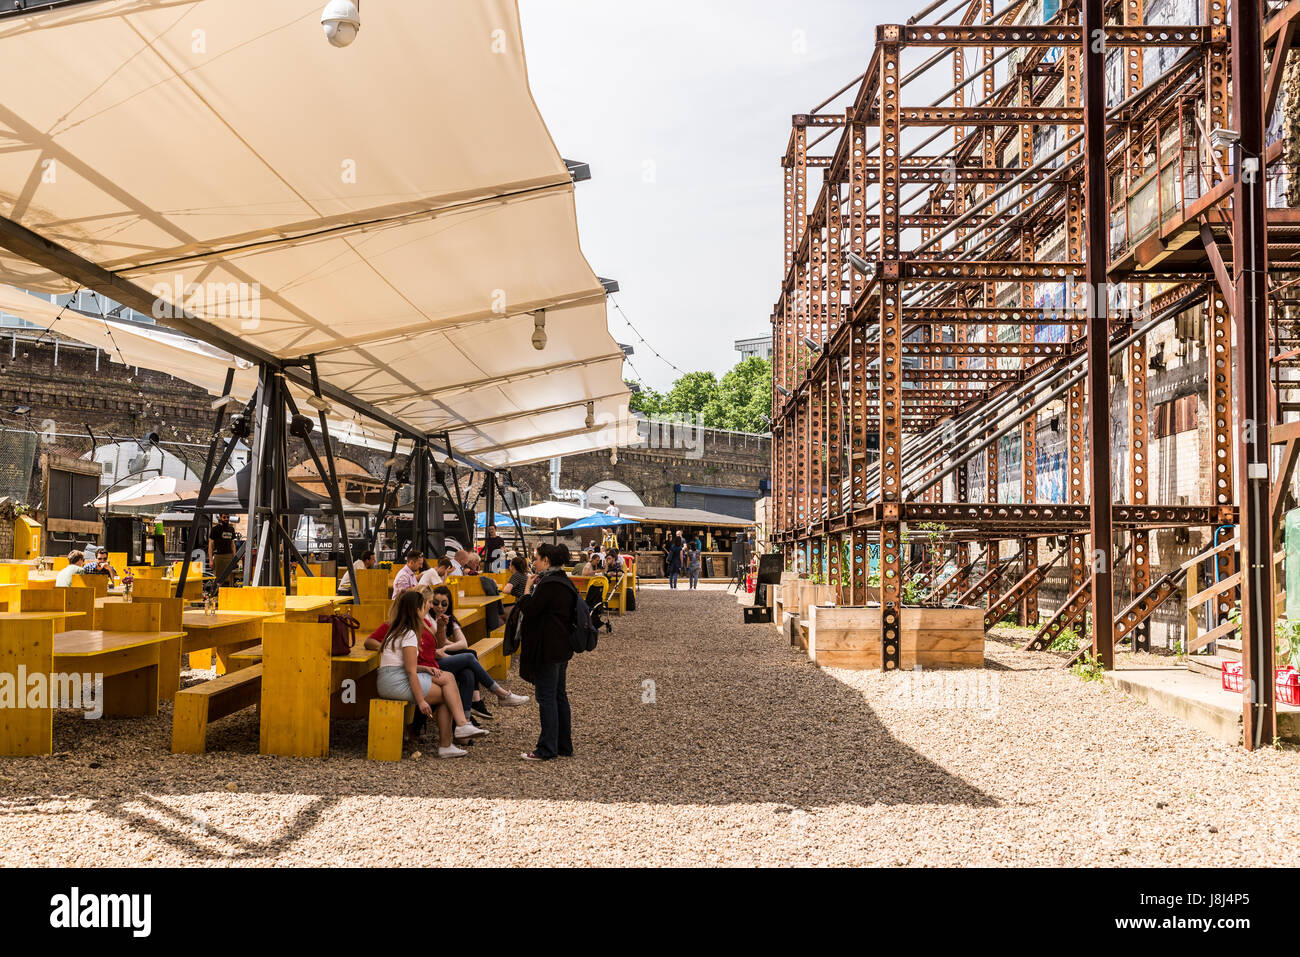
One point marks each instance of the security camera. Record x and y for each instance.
(342, 21)
(539, 330)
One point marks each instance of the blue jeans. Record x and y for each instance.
(469, 673)
(672, 579)
(553, 702)
(695, 577)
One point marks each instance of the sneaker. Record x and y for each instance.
(514, 700)
(479, 709)
(467, 731)
(451, 751)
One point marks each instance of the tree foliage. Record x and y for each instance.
(741, 401)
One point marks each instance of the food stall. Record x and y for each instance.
(717, 533)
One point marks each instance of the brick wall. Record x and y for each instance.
(727, 460)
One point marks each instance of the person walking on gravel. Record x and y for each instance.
(673, 566)
(693, 565)
(548, 606)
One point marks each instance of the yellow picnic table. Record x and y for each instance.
(58, 617)
(307, 607)
(70, 662)
(220, 634)
(303, 686)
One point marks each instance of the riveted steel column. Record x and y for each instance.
(891, 355)
(1250, 266)
(1098, 378)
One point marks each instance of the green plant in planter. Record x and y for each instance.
(1286, 634)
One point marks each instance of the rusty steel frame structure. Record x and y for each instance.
(888, 366)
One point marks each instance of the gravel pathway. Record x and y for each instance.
(700, 741)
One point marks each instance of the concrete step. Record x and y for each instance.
(1211, 666)
(1229, 649)
(1198, 700)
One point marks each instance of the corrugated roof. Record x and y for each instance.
(682, 516)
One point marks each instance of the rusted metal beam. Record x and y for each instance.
(1250, 263)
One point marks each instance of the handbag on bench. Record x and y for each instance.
(343, 633)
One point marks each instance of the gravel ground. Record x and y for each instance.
(700, 741)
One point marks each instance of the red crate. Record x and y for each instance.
(1288, 686)
(1232, 676)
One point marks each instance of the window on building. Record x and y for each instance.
(1177, 415)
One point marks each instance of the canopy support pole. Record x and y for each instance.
(383, 498)
(420, 487)
(336, 496)
(514, 514)
(252, 574)
(489, 511)
(209, 480)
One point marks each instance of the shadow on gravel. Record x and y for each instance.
(683, 704)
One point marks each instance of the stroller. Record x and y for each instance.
(596, 605)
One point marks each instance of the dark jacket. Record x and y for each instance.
(674, 563)
(547, 622)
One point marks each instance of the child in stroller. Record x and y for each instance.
(596, 604)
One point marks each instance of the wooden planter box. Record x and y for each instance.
(849, 637)
(808, 594)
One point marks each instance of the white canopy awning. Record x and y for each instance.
(158, 490)
(396, 207)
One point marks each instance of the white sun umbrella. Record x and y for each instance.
(158, 490)
(555, 510)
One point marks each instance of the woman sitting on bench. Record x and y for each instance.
(456, 658)
(401, 678)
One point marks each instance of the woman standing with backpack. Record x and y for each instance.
(548, 607)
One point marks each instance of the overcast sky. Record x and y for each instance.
(683, 111)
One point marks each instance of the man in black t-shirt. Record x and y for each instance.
(221, 544)
(494, 550)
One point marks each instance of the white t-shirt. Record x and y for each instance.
(431, 578)
(64, 578)
(392, 653)
(346, 581)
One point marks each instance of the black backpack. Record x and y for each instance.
(582, 633)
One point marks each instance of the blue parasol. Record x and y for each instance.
(498, 520)
(600, 520)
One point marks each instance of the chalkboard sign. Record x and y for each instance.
(770, 568)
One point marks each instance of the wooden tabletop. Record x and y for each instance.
(482, 601)
(359, 653)
(309, 602)
(89, 643)
(195, 620)
(39, 615)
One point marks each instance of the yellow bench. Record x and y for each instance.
(388, 721)
(489, 654)
(209, 701)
